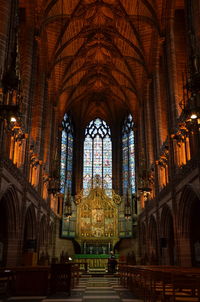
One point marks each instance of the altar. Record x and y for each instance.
(97, 223)
(94, 262)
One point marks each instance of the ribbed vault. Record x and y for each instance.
(98, 53)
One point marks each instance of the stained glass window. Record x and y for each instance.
(66, 155)
(128, 156)
(97, 154)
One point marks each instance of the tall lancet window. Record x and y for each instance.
(128, 156)
(97, 155)
(66, 155)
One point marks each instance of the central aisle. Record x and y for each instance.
(97, 289)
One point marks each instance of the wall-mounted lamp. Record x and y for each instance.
(193, 116)
(9, 112)
(13, 119)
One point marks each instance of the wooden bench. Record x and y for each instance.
(162, 283)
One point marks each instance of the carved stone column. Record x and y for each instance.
(172, 71)
(5, 12)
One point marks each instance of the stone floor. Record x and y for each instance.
(89, 289)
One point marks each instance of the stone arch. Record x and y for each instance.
(50, 234)
(153, 241)
(143, 243)
(167, 236)
(143, 233)
(189, 225)
(30, 229)
(42, 240)
(9, 226)
(42, 232)
(188, 198)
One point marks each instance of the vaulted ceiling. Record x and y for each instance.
(99, 53)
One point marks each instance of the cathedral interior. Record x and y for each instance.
(100, 132)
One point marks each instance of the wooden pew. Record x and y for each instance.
(162, 283)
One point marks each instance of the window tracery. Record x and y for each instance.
(97, 158)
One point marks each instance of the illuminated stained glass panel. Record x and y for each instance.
(97, 154)
(128, 155)
(63, 160)
(107, 161)
(66, 155)
(68, 225)
(128, 175)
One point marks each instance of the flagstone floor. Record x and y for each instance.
(89, 289)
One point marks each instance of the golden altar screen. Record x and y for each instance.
(97, 218)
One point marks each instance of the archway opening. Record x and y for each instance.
(171, 240)
(195, 234)
(3, 232)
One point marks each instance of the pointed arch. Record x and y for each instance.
(166, 219)
(153, 241)
(30, 228)
(187, 200)
(9, 224)
(42, 231)
(167, 236)
(9, 199)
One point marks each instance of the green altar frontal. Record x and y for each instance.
(94, 261)
(92, 256)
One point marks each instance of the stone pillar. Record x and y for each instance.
(12, 249)
(116, 160)
(172, 78)
(148, 119)
(78, 161)
(5, 12)
(185, 252)
(157, 101)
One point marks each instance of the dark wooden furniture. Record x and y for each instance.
(60, 280)
(30, 281)
(162, 283)
(6, 279)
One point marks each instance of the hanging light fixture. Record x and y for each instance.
(68, 205)
(127, 207)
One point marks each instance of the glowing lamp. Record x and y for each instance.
(13, 119)
(193, 116)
